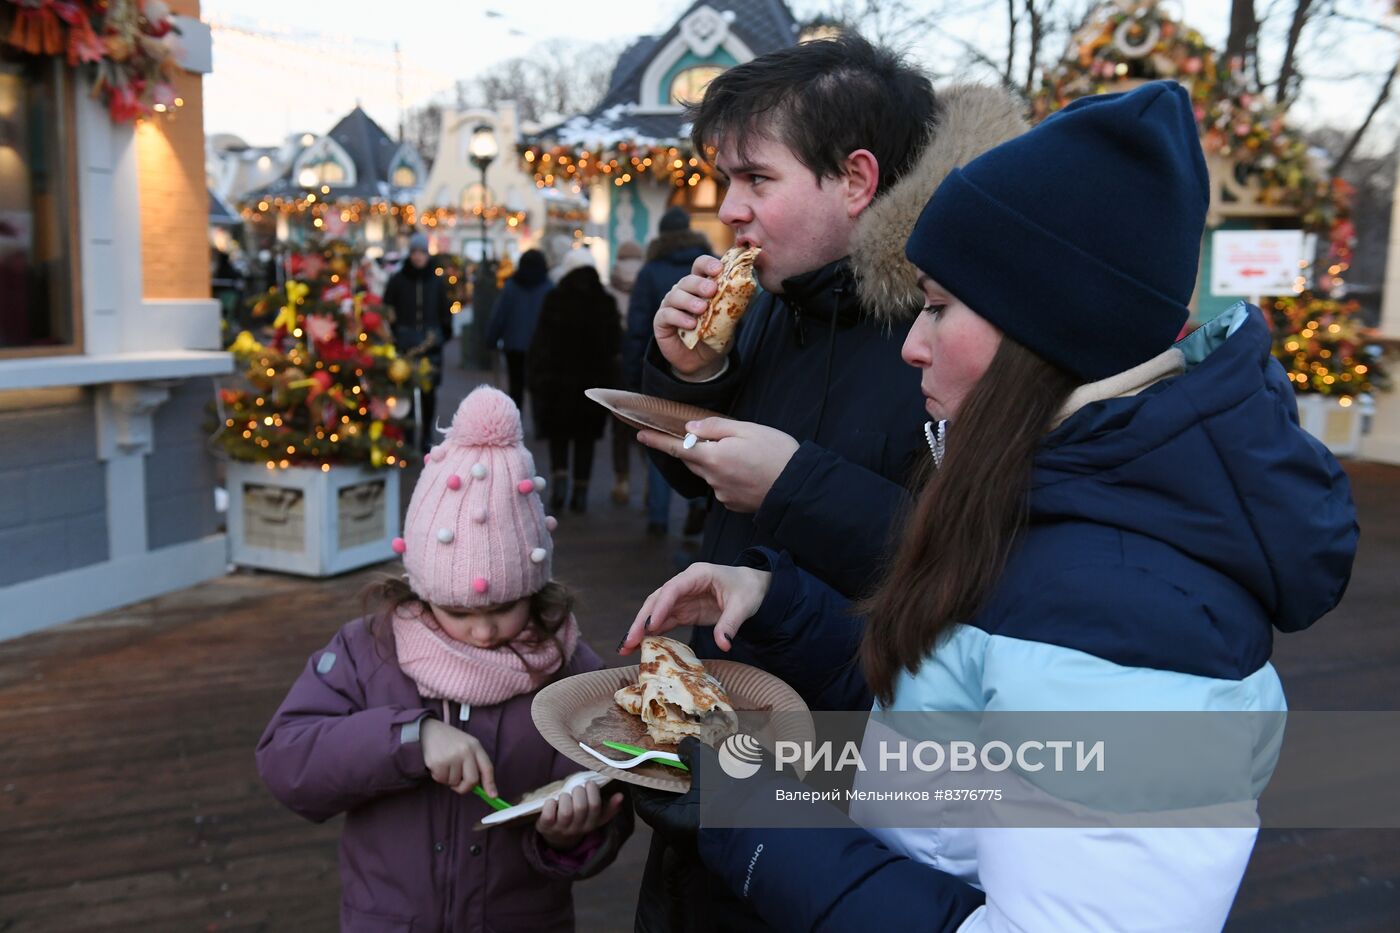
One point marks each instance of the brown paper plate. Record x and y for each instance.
(646, 411)
(581, 709)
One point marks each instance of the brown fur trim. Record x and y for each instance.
(971, 120)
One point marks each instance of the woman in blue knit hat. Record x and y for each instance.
(1110, 522)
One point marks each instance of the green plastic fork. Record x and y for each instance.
(638, 750)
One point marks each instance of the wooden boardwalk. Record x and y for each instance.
(128, 795)
(129, 800)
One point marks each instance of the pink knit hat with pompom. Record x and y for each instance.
(476, 533)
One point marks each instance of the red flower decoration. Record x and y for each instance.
(319, 328)
(124, 103)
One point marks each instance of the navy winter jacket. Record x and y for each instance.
(811, 363)
(516, 315)
(1172, 531)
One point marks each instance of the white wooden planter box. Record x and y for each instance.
(1336, 425)
(312, 522)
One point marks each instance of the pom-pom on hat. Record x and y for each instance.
(476, 534)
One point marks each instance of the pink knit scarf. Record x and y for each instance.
(445, 668)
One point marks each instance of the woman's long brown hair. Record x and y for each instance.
(967, 517)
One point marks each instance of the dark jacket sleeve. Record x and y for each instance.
(835, 880)
(393, 297)
(540, 370)
(835, 517)
(641, 309)
(832, 876)
(715, 395)
(806, 634)
(505, 303)
(610, 337)
(324, 752)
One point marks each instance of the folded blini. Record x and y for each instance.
(676, 697)
(736, 286)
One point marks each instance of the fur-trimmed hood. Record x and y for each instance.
(971, 119)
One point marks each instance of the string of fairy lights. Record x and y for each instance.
(620, 164)
(319, 205)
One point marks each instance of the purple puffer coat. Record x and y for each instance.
(345, 740)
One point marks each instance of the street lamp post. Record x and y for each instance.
(482, 150)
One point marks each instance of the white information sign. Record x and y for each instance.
(1250, 263)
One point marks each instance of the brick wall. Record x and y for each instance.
(53, 490)
(174, 199)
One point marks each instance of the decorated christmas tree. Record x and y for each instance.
(1325, 346)
(324, 385)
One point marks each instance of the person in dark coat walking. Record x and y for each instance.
(1112, 522)
(621, 281)
(422, 321)
(515, 316)
(402, 716)
(575, 348)
(669, 258)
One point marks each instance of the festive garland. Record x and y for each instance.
(620, 164)
(128, 46)
(353, 210)
(1139, 41)
(1127, 43)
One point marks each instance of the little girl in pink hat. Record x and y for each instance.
(408, 710)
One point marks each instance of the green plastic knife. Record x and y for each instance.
(495, 803)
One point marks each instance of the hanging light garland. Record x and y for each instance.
(578, 168)
(1136, 40)
(319, 207)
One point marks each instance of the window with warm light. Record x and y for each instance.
(404, 177)
(327, 172)
(473, 197)
(689, 86)
(38, 306)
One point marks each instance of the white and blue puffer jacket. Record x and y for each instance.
(1171, 532)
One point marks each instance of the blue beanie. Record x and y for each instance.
(1080, 239)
